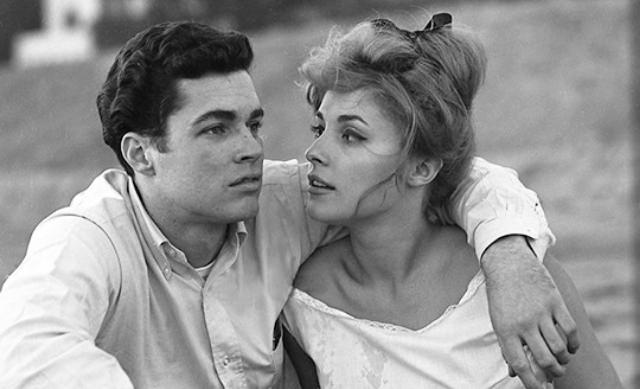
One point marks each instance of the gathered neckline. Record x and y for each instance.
(317, 304)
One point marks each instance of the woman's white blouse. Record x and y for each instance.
(457, 350)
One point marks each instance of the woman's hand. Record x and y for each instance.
(526, 309)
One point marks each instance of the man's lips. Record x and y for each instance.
(316, 182)
(248, 180)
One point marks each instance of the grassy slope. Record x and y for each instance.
(555, 106)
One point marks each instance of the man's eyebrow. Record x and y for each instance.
(227, 115)
(256, 113)
(219, 114)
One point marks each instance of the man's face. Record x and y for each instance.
(212, 169)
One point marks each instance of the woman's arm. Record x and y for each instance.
(304, 365)
(589, 367)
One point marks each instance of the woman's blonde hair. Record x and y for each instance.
(425, 80)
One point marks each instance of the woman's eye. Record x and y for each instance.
(351, 136)
(317, 130)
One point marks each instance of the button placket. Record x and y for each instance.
(225, 344)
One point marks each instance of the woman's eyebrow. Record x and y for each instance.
(348, 118)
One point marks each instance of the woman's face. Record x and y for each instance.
(355, 154)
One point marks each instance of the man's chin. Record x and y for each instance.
(248, 211)
(239, 211)
(251, 213)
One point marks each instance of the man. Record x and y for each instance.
(174, 273)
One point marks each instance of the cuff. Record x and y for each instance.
(539, 237)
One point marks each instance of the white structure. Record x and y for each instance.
(67, 33)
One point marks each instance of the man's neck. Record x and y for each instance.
(199, 240)
(200, 244)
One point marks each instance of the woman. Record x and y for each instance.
(394, 138)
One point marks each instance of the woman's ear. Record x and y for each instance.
(136, 150)
(423, 171)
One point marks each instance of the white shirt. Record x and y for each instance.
(103, 300)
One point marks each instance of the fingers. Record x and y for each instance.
(542, 354)
(519, 364)
(555, 341)
(568, 326)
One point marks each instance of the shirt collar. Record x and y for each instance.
(149, 228)
(163, 250)
(239, 230)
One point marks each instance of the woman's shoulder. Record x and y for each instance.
(321, 272)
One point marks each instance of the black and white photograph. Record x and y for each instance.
(301, 194)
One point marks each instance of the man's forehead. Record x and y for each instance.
(227, 85)
(226, 90)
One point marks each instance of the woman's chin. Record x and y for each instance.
(324, 215)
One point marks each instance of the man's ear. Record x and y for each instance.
(423, 171)
(136, 150)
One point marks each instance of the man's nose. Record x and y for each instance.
(250, 147)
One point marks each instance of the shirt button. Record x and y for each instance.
(225, 361)
(166, 271)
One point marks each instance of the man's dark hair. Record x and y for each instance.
(140, 91)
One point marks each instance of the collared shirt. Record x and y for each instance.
(104, 300)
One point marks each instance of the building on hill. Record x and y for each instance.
(67, 30)
(16, 16)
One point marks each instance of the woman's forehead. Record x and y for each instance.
(362, 101)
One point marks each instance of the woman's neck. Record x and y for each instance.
(392, 246)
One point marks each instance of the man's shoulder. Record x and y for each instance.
(282, 194)
(102, 202)
(95, 222)
(282, 172)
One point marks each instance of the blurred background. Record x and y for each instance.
(556, 106)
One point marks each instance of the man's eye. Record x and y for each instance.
(216, 130)
(317, 130)
(255, 127)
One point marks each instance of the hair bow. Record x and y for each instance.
(400, 65)
(436, 22)
(439, 21)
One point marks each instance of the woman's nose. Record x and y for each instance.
(315, 154)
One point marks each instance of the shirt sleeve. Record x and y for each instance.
(319, 233)
(53, 306)
(491, 203)
(283, 203)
